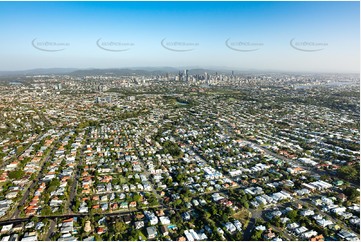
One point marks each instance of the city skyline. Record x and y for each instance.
(263, 36)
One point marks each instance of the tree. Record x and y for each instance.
(350, 172)
(119, 227)
(225, 217)
(35, 219)
(352, 193)
(137, 197)
(238, 236)
(292, 215)
(206, 215)
(16, 174)
(178, 202)
(46, 210)
(54, 182)
(257, 235)
(246, 204)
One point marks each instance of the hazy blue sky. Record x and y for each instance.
(265, 27)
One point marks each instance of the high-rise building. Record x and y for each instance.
(185, 76)
(57, 86)
(108, 99)
(102, 88)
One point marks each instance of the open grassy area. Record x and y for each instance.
(243, 215)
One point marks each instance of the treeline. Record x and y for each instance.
(344, 144)
(350, 172)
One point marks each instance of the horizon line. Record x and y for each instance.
(158, 68)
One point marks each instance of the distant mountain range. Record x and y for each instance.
(143, 71)
(40, 71)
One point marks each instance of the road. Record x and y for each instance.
(326, 215)
(37, 139)
(120, 213)
(51, 230)
(248, 231)
(312, 170)
(33, 183)
(74, 185)
(282, 233)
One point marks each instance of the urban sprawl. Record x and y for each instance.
(180, 156)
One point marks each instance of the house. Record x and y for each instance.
(276, 213)
(114, 206)
(39, 226)
(30, 236)
(31, 210)
(186, 216)
(188, 235)
(164, 220)
(11, 195)
(346, 235)
(220, 231)
(104, 206)
(300, 230)
(307, 212)
(164, 230)
(6, 228)
(324, 222)
(123, 205)
(83, 208)
(216, 197)
(160, 212)
(230, 227)
(238, 225)
(355, 220)
(339, 210)
(127, 219)
(132, 204)
(296, 170)
(338, 183)
(17, 228)
(5, 238)
(30, 225)
(346, 215)
(293, 226)
(309, 234)
(269, 235)
(194, 234)
(87, 227)
(152, 232)
(100, 230)
(342, 197)
(139, 224)
(318, 238)
(260, 227)
(151, 217)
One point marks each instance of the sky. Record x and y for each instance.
(274, 36)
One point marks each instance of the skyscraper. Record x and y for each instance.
(185, 76)
(206, 78)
